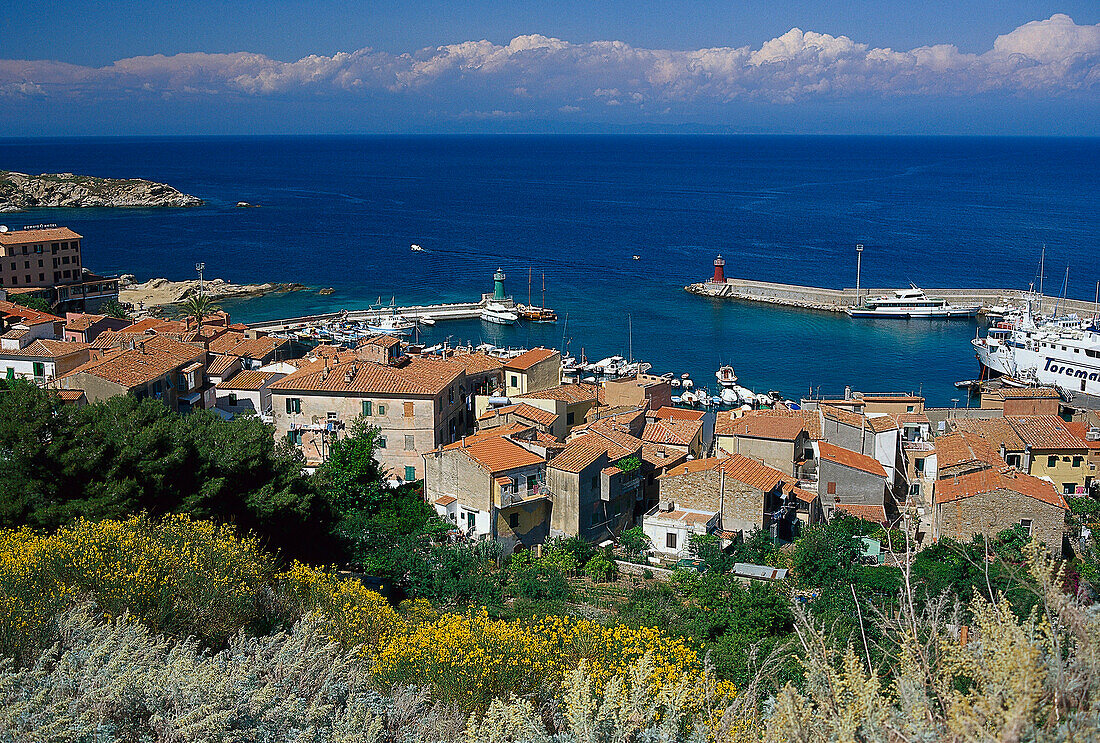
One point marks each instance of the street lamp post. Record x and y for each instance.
(200, 267)
(859, 269)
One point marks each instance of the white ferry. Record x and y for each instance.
(912, 302)
(1063, 352)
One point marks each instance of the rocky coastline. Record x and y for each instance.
(161, 292)
(21, 192)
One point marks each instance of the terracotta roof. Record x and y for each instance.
(1028, 393)
(805, 496)
(132, 367)
(18, 237)
(527, 359)
(963, 447)
(16, 332)
(811, 420)
(987, 481)
(686, 516)
(523, 410)
(385, 341)
(667, 413)
(570, 393)
(848, 458)
(233, 343)
(26, 314)
(848, 418)
(544, 439)
(680, 432)
(778, 427)
(695, 465)
(498, 454)
(660, 456)
(80, 323)
(1044, 432)
(251, 379)
(476, 363)
(748, 471)
(874, 514)
(996, 431)
(45, 348)
(424, 377)
(1080, 430)
(882, 423)
(221, 364)
(155, 325)
(912, 418)
(70, 395)
(584, 450)
(445, 500)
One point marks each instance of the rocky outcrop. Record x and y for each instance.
(156, 292)
(19, 192)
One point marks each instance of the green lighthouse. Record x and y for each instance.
(498, 284)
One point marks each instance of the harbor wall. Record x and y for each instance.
(452, 311)
(838, 300)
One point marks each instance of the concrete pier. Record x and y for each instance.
(839, 300)
(453, 311)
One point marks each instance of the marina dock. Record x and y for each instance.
(839, 300)
(439, 312)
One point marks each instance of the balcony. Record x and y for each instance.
(506, 499)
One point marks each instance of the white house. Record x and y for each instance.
(670, 529)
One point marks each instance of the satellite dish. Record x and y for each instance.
(3, 228)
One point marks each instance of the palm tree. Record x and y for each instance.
(199, 306)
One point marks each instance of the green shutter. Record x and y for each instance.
(366, 407)
(410, 473)
(381, 409)
(289, 405)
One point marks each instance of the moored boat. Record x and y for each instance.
(498, 314)
(912, 303)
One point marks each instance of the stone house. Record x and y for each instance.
(1023, 400)
(963, 452)
(532, 371)
(571, 402)
(524, 414)
(492, 487)
(596, 481)
(989, 501)
(779, 441)
(746, 494)
(150, 366)
(247, 393)
(81, 327)
(42, 360)
(846, 477)
(641, 390)
(675, 433)
(417, 406)
(877, 436)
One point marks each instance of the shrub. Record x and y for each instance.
(601, 568)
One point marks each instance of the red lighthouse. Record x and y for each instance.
(719, 270)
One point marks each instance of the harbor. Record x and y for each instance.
(987, 301)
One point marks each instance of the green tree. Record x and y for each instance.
(634, 541)
(114, 308)
(34, 303)
(351, 477)
(199, 306)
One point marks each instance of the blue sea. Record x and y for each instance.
(341, 212)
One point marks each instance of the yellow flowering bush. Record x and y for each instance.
(471, 659)
(353, 613)
(176, 575)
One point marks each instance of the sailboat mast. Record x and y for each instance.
(630, 338)
(544, 289)
(529, 286)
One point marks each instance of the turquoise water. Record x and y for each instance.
(341, 212)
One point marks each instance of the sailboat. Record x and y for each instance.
(536, 314)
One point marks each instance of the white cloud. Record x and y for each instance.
(1050, 57)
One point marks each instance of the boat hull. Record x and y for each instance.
(946, 313)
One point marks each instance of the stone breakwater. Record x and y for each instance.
(20, 192)
(159, 292)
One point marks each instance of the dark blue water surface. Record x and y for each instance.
(342, 212)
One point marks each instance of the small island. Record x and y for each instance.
(21, 192)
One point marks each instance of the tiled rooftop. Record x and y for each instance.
(527, 359)
(987, 481)
(420, 377)
(848, 458)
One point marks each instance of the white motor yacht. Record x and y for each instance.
(912, 302)
(498, 314)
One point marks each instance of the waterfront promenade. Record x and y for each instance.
(839, 300)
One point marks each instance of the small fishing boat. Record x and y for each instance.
(674, 382)
(687, 383)
(689, 398)
(427, 320)
(729, 397)
(498, 314)
(726, 376)
(416, 248)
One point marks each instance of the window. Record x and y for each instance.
(1013, 460)
(569, 418)
(332, 415)
(39, 369)
(381, 409)
(410, 473)
(293, 405)
(233, 399)
(1026, 523)
(451, 394)
(515, 380)
(595, 482)
(366, 408)
(1069, 488)
(408, 411)
(183, 381)
(294, 437)
(532, 482)
(410, 444)
(381, 443)
(914, 489)
(1078, 461)
(513, 520)
(919, 465)
(909, 408)
(670, 540)
(830, 488)
(1052, 461)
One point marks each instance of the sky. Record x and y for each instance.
(803, 66)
